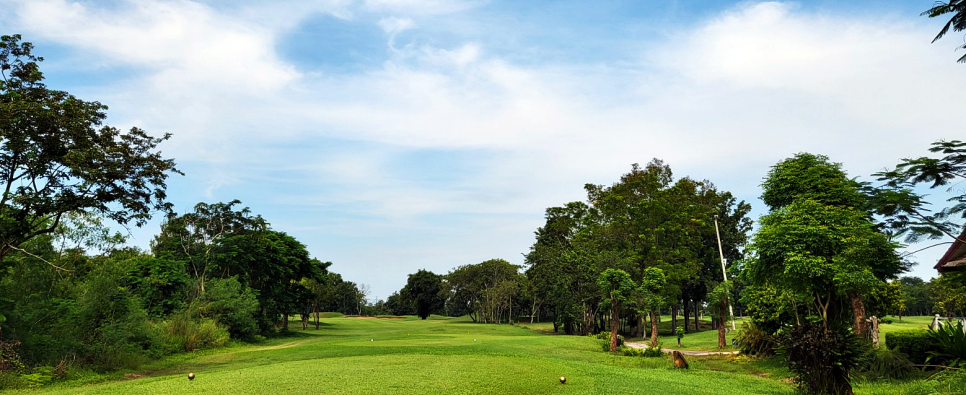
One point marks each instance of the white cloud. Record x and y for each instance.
(424, 7)
(394, 25)
(722, 100)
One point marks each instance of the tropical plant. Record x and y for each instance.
(821, 359)
(950, 338)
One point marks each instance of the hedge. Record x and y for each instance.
(915, 343)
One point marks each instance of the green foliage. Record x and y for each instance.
(886, 364)
(756, 342)
(231, 304)
(160, 283)
(915, 343)
(915, 295)
(606, 336)
(769, 307)
(949, 342)
(484, 290)
(629, 351)
(109, 321)
(10, 361)
(398, 304)
(821, 359)
(87, 167)
(424, 288)
(809, 177)
(906, 211)
(39, 376)
(884, 299)
(949, 294)
(653, 282)
(653, 352)
(182, 333)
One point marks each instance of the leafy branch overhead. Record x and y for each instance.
(57, 156)
(956, 23)
(906, 211)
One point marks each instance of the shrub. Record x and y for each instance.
(10, 361)
(231, 304)
(606, 336)
(753, 341)
(950, 343)
(184, 334)
(653, 352)
(821, 359)
(629, 351)
(915, 343)
(887, 364)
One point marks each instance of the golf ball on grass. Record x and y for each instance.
(191, 376)
(563, 380)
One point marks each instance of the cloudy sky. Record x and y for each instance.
(394, 135)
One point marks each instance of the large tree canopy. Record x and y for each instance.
(818, 240)
(57, 157)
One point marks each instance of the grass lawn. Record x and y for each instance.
(412, 356)
(442, 355)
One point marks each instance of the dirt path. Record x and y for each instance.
(685, 352)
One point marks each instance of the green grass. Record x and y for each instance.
(412, 356)
(454, 356)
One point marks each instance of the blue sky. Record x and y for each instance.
(394, 135)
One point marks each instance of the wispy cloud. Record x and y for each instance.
(498, 139)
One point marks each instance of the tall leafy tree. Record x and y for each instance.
(617, 288)
(58, 157)
(198, 238)
(484, 289)
(817, 239)
(563, 265)
(652, 286)
(424, 288)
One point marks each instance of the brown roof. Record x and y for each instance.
(955, 257)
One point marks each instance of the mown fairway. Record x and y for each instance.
(448, 356)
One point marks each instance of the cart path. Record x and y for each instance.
(685, 352)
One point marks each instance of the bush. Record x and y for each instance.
(10, 361)
(753, 341)
(629, 351)
(231, 304)
(606, 336)
(915, 343)
(950, 343)
(653, 352)
(821, 359)
(887, 364)
(184, 334)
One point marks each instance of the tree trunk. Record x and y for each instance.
(721, 320)
(316, 319)
(614, 323)
(674, 319)
(653, 329)
(284, 321)
(684, 314)
(697, 312)
(858, 313)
